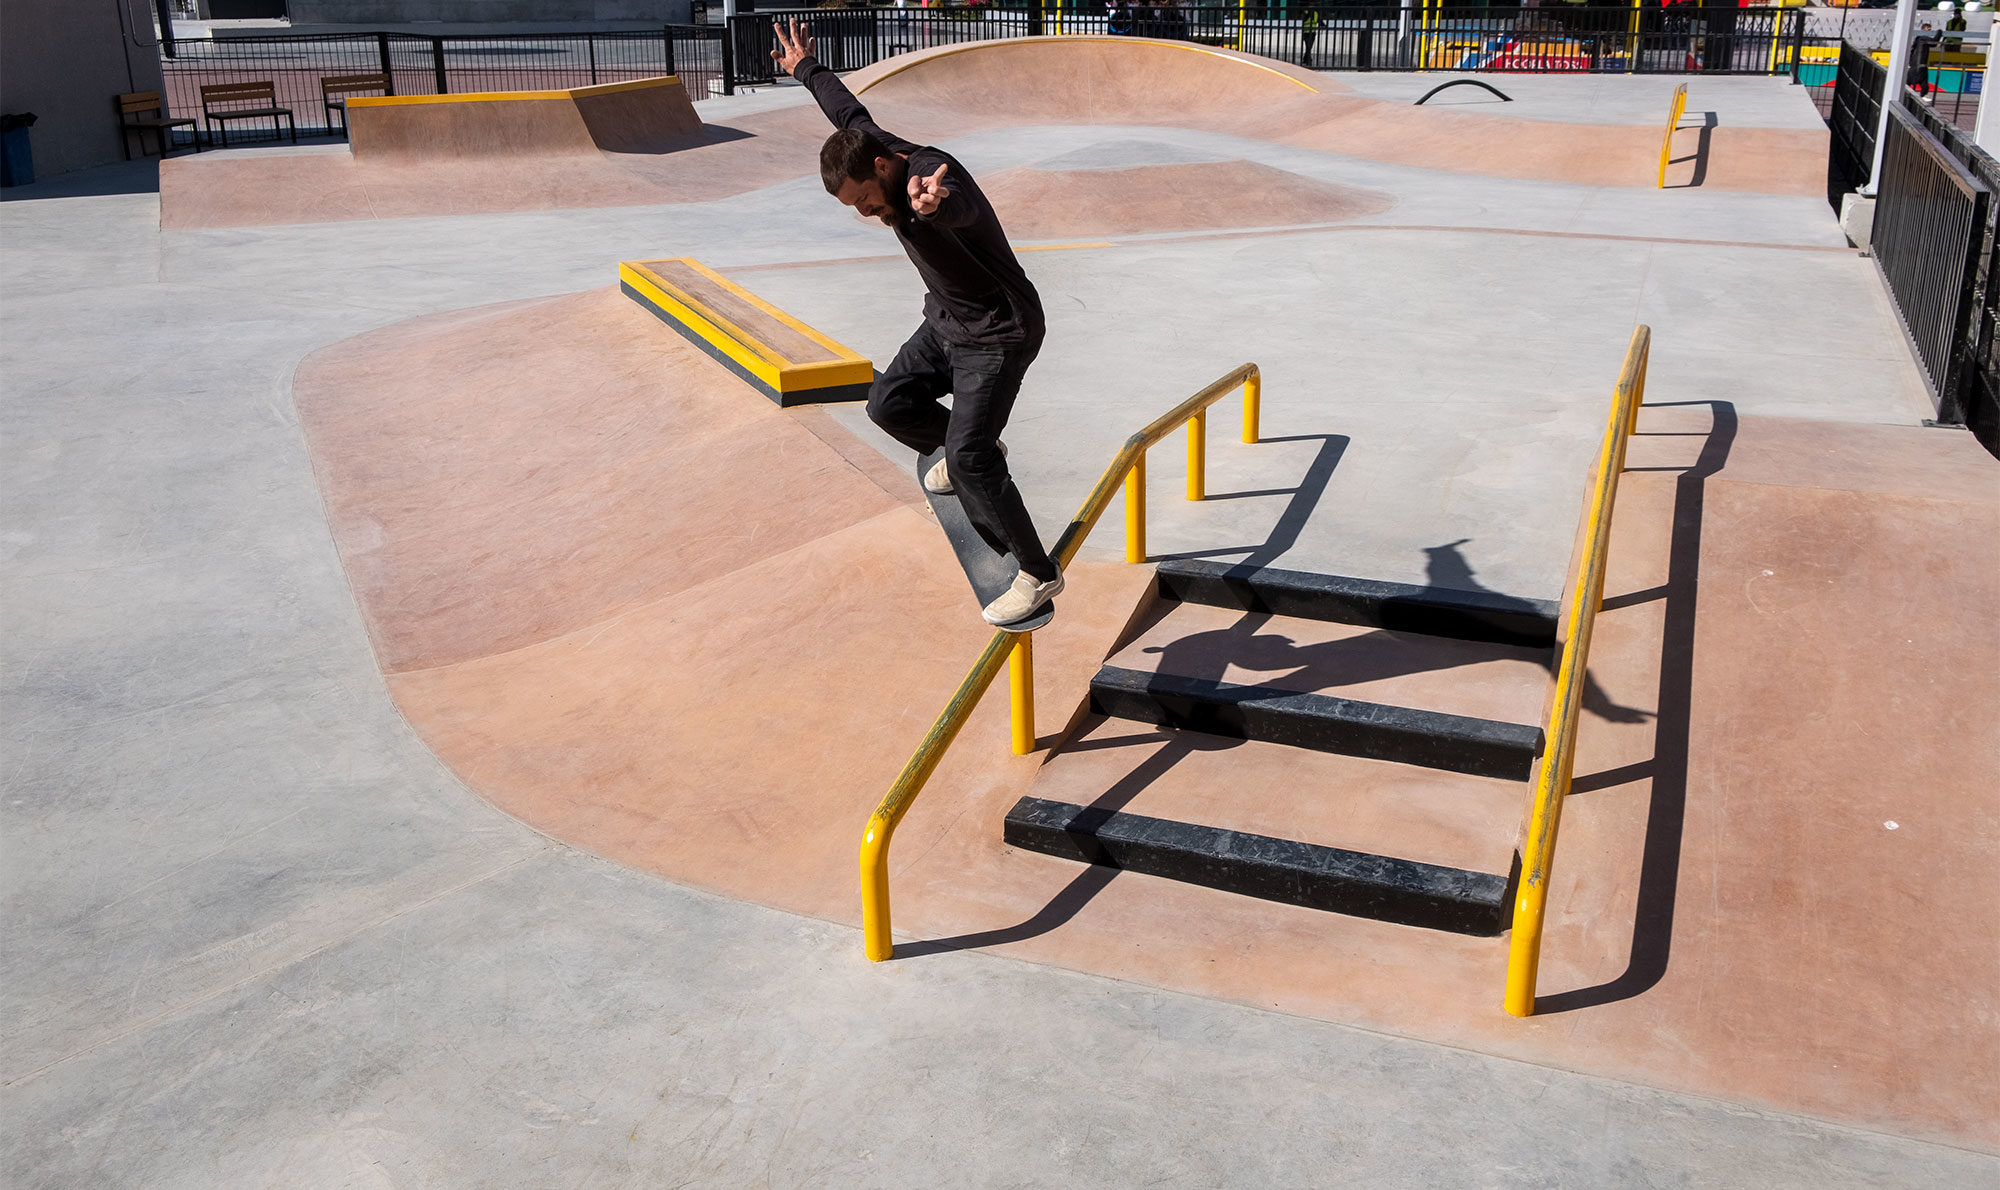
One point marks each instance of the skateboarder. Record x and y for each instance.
(982, 323)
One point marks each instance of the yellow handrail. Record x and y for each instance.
(1673, 125)
(1552, 774)
(1130, 460)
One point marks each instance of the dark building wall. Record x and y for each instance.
(64, 60)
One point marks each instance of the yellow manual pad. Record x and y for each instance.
(783, 358)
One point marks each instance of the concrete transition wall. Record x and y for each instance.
(643, 116)
(64, 62)
(465, 12)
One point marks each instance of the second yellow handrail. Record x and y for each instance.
(1129, 463)
(1552, 773)
(1674, 115)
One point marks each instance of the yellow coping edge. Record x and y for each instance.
(506, 96)
(1073, 38)
(758, 357)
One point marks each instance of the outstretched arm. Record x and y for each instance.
(794, 56)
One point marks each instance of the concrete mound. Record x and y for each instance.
(1040, 203)
(645, 115)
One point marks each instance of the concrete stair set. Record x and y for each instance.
(1399, 798)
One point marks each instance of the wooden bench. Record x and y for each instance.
(235, 93)
(133, 120)
(331, 91)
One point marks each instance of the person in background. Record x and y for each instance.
(1310, 33)
(1919, 74)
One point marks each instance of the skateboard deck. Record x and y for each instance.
(990, 573)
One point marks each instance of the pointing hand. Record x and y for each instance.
(927, 193)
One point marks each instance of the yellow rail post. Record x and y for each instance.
(1135, 510)
(1130, 462)
(1197, 477)
(1253, 396)
(1242, 10)
(1021, 691)
(1673, 125)
(1552, 773)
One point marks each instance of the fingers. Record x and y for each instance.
(935, 179)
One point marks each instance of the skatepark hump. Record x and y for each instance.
(642, 143)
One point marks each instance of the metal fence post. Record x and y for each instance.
(590, 39)
(669, 38)
(729, 55)
(388, 68)
(437, 64)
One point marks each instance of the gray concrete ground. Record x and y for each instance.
(257, 936)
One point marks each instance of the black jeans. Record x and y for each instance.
(983, 383)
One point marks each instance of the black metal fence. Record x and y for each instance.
(1678, 40)
(415, 65)
(1851, 123)
(1935, 238)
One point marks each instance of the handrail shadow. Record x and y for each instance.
(1659, 865)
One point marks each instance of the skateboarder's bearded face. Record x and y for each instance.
(875, 196)
(862, 173)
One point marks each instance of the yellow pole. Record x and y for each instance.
(1253, 393)
(1135, 510)
(1552, 776)
(1242, 9)
(1021, 689)
(1197, 455)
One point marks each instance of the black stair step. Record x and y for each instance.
(1304, 874)
(1458, 743)
(1398, 607)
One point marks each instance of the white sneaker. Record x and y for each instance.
(937, 481)
(1023, 599)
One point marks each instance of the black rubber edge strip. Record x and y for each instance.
(1399, 607)
(1481, 747)
(1305, 874)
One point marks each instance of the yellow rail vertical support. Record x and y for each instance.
(1253, 397)
(1554, 769)
(1021, 691)
(1242, 16)
(1135, 510)
(1198, 455)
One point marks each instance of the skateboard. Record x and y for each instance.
(989, 572)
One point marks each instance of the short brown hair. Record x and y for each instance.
(848, 155)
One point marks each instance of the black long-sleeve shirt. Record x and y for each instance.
(979, 296)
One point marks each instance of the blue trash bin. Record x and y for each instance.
(17, 156)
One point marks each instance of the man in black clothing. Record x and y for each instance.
(982, 324)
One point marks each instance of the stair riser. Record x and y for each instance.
(1281, 870)
(1397, 607)
(1475, 746)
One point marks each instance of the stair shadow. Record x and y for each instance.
(1660, 862)
(1177, 745)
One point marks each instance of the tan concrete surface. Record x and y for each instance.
(1045, 204)
(504, 475)
(638, 117)
(950, 91)
(1731, 915)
